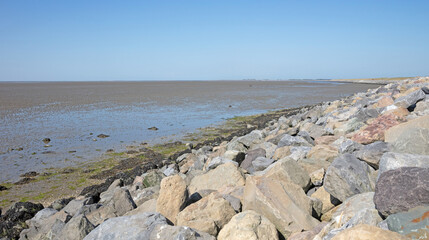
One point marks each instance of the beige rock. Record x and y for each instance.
(148, 206)
(281, 152)
(317, 177)
(325, 140)
(384, 102)
(399, 112)
(325, 197)
(224, 175)
(288, 171)
(172, 197)
(311, 165)
(248, 225)
(283, 203)
(208, 214)
(367, 232)
(323, 152)
(395, 132)
(328, 215)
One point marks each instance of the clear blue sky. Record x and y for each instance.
(202, 39)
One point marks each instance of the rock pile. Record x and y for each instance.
(355, 168)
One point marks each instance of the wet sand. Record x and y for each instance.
(72, 114)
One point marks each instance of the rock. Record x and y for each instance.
(128, 227)
(77, 228)
(209, 214)
(259, 164)
(76, 205)
(108, 194)
(364, 232)
(323, 152)
(60, 203)
(172, 197)
(153, 178)
(46, 140)
(148, 206)
(269, 148)
(372, 153)
(248, 225)
(348, 176)
(167, 232)
(13, 221)
(411, 183)
(283, 203)
(412, 224)
(288, 140)
(102, 136)
(170, 170)
(384, 102)
(224, 175)
(298, 153)
(234, 155)
(253, 138)
(410, 137)
(391, 161)
(328, 202)
(153, 128)
(410, 99)
(251, 156)
(281, 152)
(3, 188)
(236, 145)
(349, 146)
(142, 195)
(308, 235)
(317, 177)
(352, 206)
(288, 171)
(325, 140)
(215, 162)
(375, 131)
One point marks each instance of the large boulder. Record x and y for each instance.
(288, 140)
(348, 176)
(412, 224)
(209, 214)
(77, 228)
(410, 137)
(323, 152)
(251, 156)
(372, 153)
(224, 175)
(410, 99)
(13, 221)
(392, 160)
(402, 189)
(259, 164)
(288, 171)
(172, 197)
(366, 232)
(136, 227)
(376, 130)
(248, 225)
(328, 202)
(167, 232)
(283, 203)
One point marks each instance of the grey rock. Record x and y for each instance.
(372, 153)
(347, 176)
(425, 90)
(410, 99)
(108, 194)
(235, 202)
(288, 170)
(153, 178)
(288, 140)
(76, 205)
(260, 163)
(170, 170)
(236, 145)
(254, 137)
(414, 140)
(135, 227)
(77, 228)
(392, 160)
(167, 232)
(60, 203)
(216, 162)
(142, 195)
(366, 113)
(410, 183)
(349, 146)
(298, 153)
(412, 224)
(43, 214)
(306, 136)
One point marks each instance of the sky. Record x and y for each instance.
(212, 40)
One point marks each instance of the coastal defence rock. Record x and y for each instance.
(76, 229)
(13, 221)
(375, 131)
(172, 197)
(411, 183)
(410, 99)
(323, 152)
(347, 176)
(372, 153)
(209, 214)
(410, 137)
(412, 224)
(251, 156)
(392, 160)
(167, 232)
(364, 232)
(248, 225)
(224, 175)
(288, 171)
(283, 203)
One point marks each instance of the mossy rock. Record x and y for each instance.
(153, 178)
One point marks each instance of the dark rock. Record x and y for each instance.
(372, 153)
(413, 224)
(25, 181)
(102, 136)
(13, 221)
(46, 140)
(110, 150)
(425, 90)
(132, 152)
(402, 189)
(48, 152)
(153, 128)
(347, 176)
(251, 156)
(29, 174)
(3, 188)
(77, 228)
(68, 170)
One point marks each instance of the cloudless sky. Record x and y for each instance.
(217, 39)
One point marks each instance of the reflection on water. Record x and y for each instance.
(73, 114)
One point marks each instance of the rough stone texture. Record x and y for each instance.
(327, 201)
(412, 224)
(348, 176)
(325, 140)
(384, 102)
(75, 205)
(308, 235)
(288, 140)
(148, 206)
(375, 131)
(367, 232)
(283, 203)
(172, 197)
(251, 156)
(167, 232)
(260, 164)
(402, 189)
(209, 214)
(153, 178)
(136, 227)
(391, 161)
(224, 175)
(77, 228)
(281, 152)
(372, 153)
(410, 137)
(107, 195)
(410, 99)
(288, 171)
(13, 221)
(323, 152)
(248, 225)
(349, 146)
(317, 177)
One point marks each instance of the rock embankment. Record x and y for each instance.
(355, 168)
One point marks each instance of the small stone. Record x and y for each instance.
(46, 140)
(153, 128)
(102, 135)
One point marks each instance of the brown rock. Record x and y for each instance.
(367, 232)
(328, 201)
(325, 140)
(384, 102)
(323, 152)
(376, 129)
(281, 152)
(172, 197)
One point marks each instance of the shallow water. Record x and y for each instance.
(72, 114)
